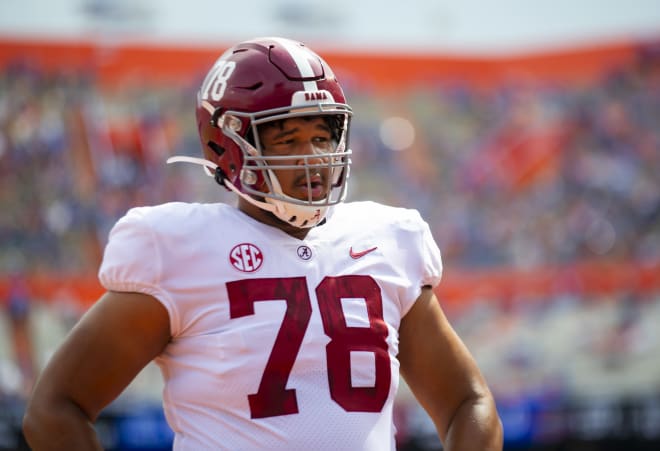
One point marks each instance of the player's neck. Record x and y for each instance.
(270, 219)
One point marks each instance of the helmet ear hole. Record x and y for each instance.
(215, 147)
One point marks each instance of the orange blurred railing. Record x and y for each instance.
(113, 62)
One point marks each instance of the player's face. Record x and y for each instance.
(299, 138)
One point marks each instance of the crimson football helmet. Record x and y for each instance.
(258, 81)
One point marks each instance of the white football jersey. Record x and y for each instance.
(277, 343)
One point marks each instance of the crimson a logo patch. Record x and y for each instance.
(246, 257)
(304, 252)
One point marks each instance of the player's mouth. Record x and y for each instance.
(316, 188)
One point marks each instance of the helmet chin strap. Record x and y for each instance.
(301, 216)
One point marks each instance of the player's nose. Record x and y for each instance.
(311, 153)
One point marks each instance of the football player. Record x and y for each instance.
(282, 323)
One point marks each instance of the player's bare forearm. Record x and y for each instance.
(475, 426)
(59, 427)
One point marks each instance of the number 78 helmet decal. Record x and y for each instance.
(263, 80)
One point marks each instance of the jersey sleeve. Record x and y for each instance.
(132, 261)
(432, 260)
(422, 258)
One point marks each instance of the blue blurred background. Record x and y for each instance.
(526, 133)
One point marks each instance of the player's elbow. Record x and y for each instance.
(37, 422)
(476, 425)
(46, 421)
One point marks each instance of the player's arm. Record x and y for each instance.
(108, 347)
(445, 379)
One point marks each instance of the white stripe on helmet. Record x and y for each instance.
(302, 62)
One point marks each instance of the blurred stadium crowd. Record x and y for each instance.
(526, 174)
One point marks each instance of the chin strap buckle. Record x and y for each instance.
(220, 176)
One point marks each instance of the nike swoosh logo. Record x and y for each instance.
(356, 255)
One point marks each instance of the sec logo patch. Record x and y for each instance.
(246, 257)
